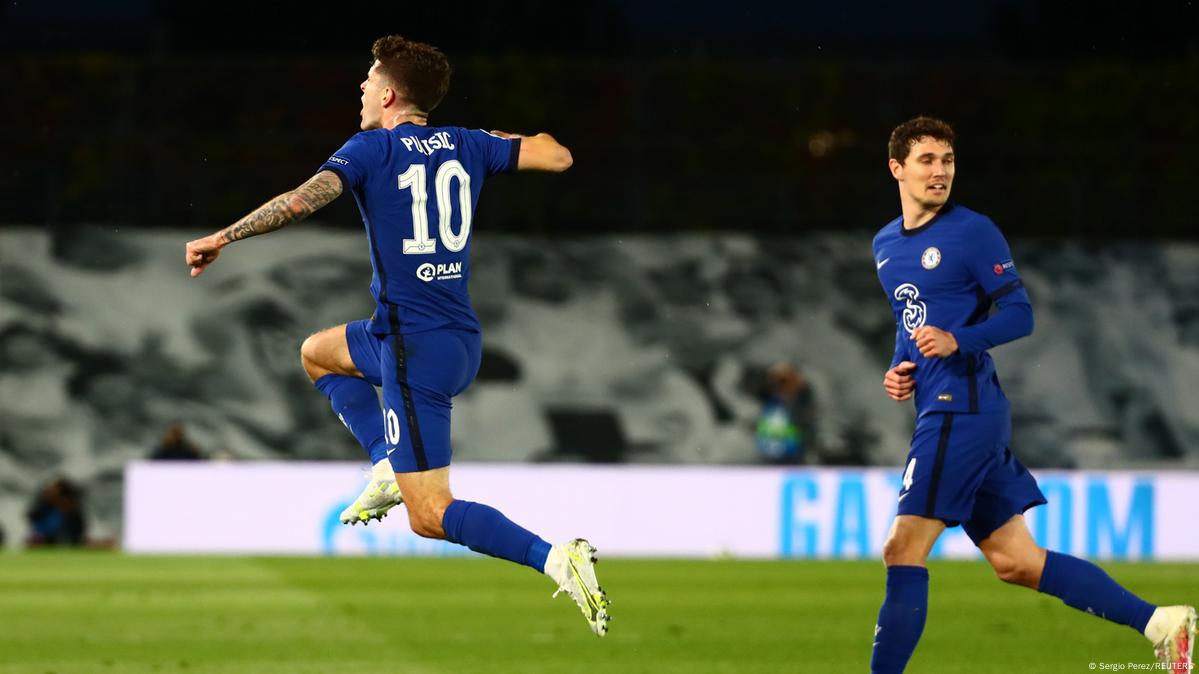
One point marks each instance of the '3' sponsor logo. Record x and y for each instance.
(915, 312)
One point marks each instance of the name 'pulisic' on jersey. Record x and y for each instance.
(438, 141)
(417, 188)
(948, 274)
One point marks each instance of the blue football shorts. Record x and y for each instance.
(961, 471)
(419, 374)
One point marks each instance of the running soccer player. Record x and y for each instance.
(417, 187)
(943, 266)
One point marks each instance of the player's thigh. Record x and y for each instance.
(1013, 538)
(328, 352)
(416, 401)
(1008, 490)
(910, 540)
(427, 495)
(951, 456)
(1013, 553)
(443, 361)
(426, 489)
(348, 349)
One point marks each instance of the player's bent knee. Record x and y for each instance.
(1016, 570)
(309, 351)
(425, 519)
(898, 551)
(892, 554)
(313, 354)
(1005, 568)
(425, 525)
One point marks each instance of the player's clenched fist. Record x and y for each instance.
(202, 252)
(934, 342)
(898, 381)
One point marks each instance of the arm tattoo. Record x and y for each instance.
(286, 208)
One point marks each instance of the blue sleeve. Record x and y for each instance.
(499, 155)
(901, 345)
(352, 161)
(901, 335)
(990, 263)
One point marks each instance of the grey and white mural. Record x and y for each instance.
(615, 349)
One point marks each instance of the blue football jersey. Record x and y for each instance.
(417, 188)
(948, 273)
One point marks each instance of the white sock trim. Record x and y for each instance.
(382, 470)
(1164, 619)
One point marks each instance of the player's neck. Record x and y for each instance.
(405, 118)
(916, 214)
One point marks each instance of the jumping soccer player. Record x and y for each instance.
(943, 267)
(417, 187)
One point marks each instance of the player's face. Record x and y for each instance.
(926, 175)
(373, 91)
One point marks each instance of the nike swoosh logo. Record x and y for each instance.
(390, 450)
(880, 264)
(903, 496)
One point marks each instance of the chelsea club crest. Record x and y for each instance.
(931, 258)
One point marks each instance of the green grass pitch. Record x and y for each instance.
(104, 612)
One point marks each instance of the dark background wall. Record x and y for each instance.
(682, 116)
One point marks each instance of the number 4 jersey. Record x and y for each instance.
(949, 273)
(417, 187)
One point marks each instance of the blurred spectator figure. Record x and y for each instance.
(176, 447)
(786, 415)
(56, 515)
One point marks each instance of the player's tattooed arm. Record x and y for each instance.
(279, 212)
(286, 208)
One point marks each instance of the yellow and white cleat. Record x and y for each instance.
(1175, 651)
(572, 566)
(373, 503)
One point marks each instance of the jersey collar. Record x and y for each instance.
(913, 232)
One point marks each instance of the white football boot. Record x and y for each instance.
(572, 566)
(380, 495)
(1176, 649)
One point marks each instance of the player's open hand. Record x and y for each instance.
(934, 342)
(898, 381)
(203, 252)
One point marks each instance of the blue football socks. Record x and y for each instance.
(901, 619)
(485, 529)
(355, 402)
(1087, 587)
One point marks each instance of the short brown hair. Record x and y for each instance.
(419, 70)
(910, 132)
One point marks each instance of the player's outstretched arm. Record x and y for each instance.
(279, 212)
(540, 153)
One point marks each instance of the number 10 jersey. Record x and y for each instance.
(417, 188)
